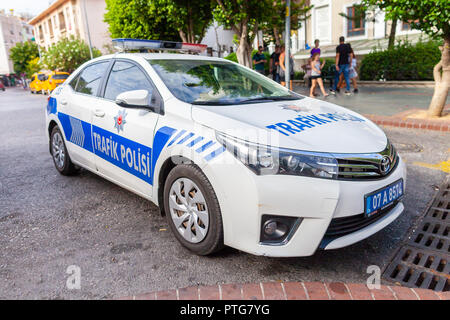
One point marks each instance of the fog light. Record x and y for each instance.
(275, 229)
(278, 229)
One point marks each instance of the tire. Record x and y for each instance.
(204, 218)
(59, 153)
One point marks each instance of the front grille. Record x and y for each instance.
(342, 226)
(367, 166)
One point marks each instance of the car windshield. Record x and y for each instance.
(218, 83)
(60, 76)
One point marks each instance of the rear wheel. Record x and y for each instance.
(60, 156)
(193, 211)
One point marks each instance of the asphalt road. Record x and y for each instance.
(123, 247)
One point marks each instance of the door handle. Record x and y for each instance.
(99, 113)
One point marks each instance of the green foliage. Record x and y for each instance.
(21, 54)
(329, 68)
(403, 62)
(232, 57)
(299, 75)
(276, 21)
(140, 19)
(429, 16)
(190, 17)
(68, 54)
(33, 66)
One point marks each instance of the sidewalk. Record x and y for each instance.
(293, 291)
(390, 106)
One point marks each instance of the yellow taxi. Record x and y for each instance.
(53, 80)
(37, 84)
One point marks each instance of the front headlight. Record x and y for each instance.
(265, 160)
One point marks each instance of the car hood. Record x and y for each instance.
(305, 124)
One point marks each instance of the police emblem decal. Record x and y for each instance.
(294, 108)
(119, 120)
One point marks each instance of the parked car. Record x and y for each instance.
(54, 79)
(229, 156)
(37, 84)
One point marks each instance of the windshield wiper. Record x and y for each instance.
(269, 98)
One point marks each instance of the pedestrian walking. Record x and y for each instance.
(274, 63)
(343, 53)
(316, 48)
(282, 69)
(353, 75)
(259, 59)
(316, 75)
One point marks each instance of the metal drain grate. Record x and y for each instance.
(424, 260)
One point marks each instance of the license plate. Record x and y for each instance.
(382, 198)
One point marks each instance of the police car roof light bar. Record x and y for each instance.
(124, 44)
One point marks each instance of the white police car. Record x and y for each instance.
(229, 156)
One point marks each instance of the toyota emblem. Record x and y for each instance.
(385, 165)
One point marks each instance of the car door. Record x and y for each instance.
(123, 137)
(75, 107)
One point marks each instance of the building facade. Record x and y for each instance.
(327, 24)
(65, 18)
(13, 29)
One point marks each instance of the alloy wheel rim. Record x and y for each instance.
(58, 150)
(188, 210)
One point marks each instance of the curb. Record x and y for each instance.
(397, 84)
(436, 125)
(293, 291)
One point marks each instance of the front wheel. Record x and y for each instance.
(192, 210)
(60, 155)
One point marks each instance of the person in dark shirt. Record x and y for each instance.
(259, 59)
(274, 63)
(343, 51)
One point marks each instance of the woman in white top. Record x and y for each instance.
(316, 75)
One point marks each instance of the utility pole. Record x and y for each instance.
(87, 29)
(287, 46)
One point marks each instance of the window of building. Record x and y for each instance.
(50, 27)
(62, 21)
(41, 33)
(407, 26)
(356, 23)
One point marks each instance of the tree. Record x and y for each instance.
(21, 54)
(33, 66)
(243, 17)
(190, 17)
(361, 12)
(140, 19)
(431, 17)
(276, 21)
(68, 54)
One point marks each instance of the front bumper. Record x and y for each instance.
(245, 197)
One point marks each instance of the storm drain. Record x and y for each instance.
(424, 260)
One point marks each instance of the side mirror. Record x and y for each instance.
(133, 99)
